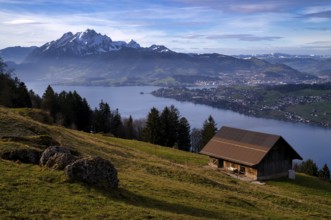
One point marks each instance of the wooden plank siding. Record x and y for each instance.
(248, 171)
(276, 163)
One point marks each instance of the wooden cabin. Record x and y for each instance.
(259, 156)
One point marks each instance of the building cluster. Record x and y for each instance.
(258, 102)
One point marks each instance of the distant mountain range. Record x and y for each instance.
(314, 64)
(89, 58)
(16, 54)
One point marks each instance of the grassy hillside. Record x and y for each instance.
(155, 182)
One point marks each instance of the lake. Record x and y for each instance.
(309, 141)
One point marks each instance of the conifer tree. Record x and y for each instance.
(169, 126)
(21, 96)
(102, 118)
(129, 129)
(309, 167)
(324, 172)
(35, 99)
(50, 102)
(13, 92)
(196, 140)
(151, 132)
(116, 126)
(209, 130)
(184, 138)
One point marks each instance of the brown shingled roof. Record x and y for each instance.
(242, 146)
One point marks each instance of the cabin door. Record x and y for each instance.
(242, 170)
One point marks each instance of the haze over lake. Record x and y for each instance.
(309, 141)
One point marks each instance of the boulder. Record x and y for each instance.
(57, 157)
(93, 171)
(22, 155)
(60, 160)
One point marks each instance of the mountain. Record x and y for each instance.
(80, 44)
(15, 54)
(89, 58)
(313, 64)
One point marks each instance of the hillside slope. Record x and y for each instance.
(155, 182)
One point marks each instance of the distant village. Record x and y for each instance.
(253, 79)
(262, 101)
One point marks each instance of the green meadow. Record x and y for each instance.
(155, 182)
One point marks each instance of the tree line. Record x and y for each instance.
(166, 128)
(309, 167)
(13, 92)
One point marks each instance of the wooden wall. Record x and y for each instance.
(250, 172)
(276, 163)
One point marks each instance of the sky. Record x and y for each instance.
(189, 26)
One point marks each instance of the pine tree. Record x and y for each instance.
(184, 138)
(196, 140)
(129, 129)
(13, 92)
(116, 126)
(169, 126)
(80, 111)
(21, 96)
(35, 99)
(309, 167)
(85, 116)
(102, 118)
(209, 130)
(324, 172)
(50, 102)
(151, 132)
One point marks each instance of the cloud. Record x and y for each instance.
(244, 37)
(241, 37)
(255, 8)
(194, 36)
(320, 42)
(22, 22)
(320, 28)
(251, 7)
(321, 14)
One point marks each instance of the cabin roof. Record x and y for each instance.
(243, 146)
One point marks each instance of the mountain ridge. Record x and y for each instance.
(79, 58)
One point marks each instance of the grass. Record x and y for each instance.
(155, 183)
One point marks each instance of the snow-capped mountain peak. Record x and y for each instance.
(159, 48)
(133, 44)
(86, 43)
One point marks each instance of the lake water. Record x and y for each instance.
(309, 141)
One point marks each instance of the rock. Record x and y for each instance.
(57, 158)
(94, 171)
(50, 152)
(60, 160)
(22, 155)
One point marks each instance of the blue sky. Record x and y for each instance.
(198, 26)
